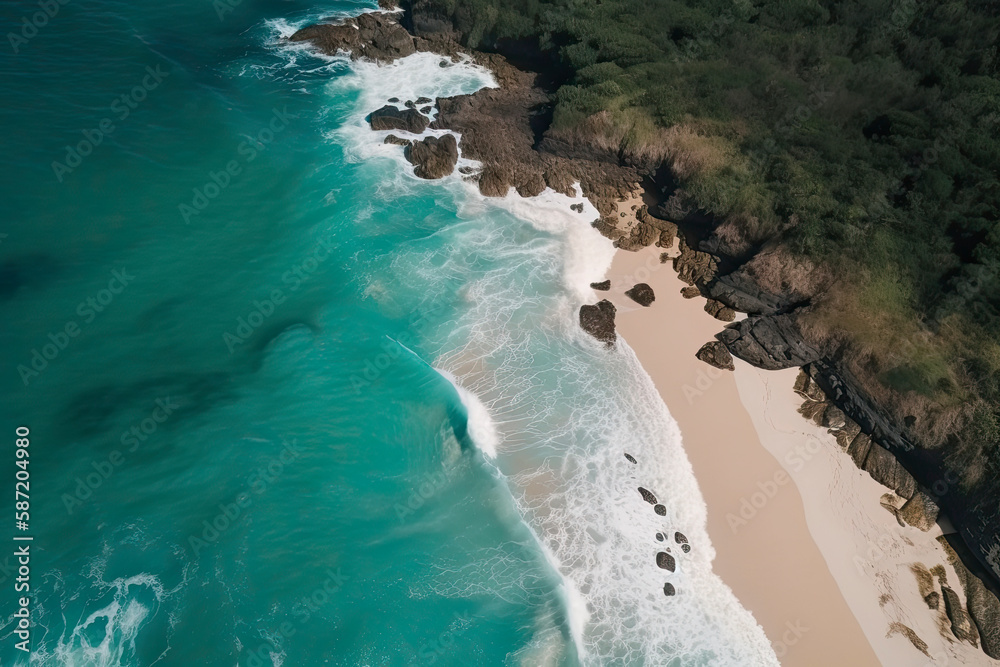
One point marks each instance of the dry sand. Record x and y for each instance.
(771, 561)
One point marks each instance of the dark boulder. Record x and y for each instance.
(601, 286)
(660, 509)
(642, 294)
(394, 118)
(631, 459)
(666, 561)
(424, 100)
(425, 110)
(690, 291)
(716, 354)
(680, 538)
(669, 590)
(686, 548)
(433, 157)
(599, 321)
(647, 495)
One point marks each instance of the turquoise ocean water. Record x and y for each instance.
(290, 405)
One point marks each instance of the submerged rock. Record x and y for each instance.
(716, 354)
(434, 157)
(642, 294)
(599, 321)
(393, 139)
(666, 561)
(394, 118)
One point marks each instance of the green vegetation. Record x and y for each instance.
(864, 134)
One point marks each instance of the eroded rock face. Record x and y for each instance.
(642, 294)
(373, 36)
(393, 118)
(599, 321)
(716, 354)
(434, 157)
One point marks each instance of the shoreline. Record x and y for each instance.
(772, 560)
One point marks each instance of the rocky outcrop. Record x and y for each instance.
(433, 157)
(716, 354)
(393, 139)
(372, 36)
(771, 343)
(603, 286)
(599, 321)
(642, 294)
(394, 118)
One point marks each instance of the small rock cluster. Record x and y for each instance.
(665, 559)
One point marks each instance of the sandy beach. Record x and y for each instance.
(770, 560)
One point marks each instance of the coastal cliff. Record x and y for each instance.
(787, 297)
